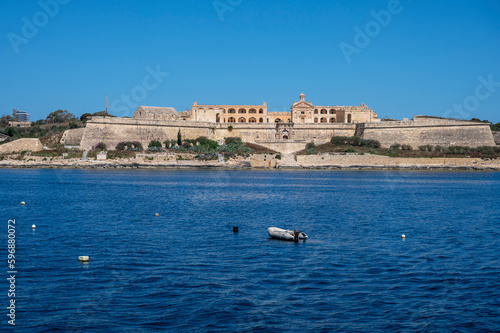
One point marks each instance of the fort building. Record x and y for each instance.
(286, 132)
(301, 112)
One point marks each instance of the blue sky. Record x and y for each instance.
(429, 57)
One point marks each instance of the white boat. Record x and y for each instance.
(289, 235)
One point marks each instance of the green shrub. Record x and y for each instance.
(167, 144)
(350, 150)
(311, 151)
(129, 146)
(439, 148)
(100, 146)
(406, 147)
(310, 145)
(278, 157)
(229, 141)
(155, 144)
(395, 146)
(230, 128)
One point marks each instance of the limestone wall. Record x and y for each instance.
(496, 136)
(21, 145)
(356, 160)
(111, 131)
(73, 137)
(428, 132)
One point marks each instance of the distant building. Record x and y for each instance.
(21, 116)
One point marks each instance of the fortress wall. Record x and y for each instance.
(429, 132)
(496, 136)
(21, 145)
(111, 131)
(73, 137)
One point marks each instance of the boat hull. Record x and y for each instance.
(282, 234)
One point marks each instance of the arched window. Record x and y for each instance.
(315, 120)
(323, 120)
(242, 111)
(332, 111)
(349, 118)
(252, 120)
(261, 111)
(242, 120)
(252, 111)
(231, 120)
(324, 111)
(217, 118)
(278, 120)
(261, 120)
(332, 120)
(232, 111)
(316, 111)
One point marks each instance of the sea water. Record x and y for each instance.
(186, 270)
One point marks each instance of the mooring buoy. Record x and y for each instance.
(157, 215)
(23, 203)
(33, 226)
(236, 230)
(83, 259)
(403, 236)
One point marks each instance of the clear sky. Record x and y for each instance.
(415, 57)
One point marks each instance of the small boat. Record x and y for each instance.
(289, 235)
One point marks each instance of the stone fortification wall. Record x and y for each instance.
(72, 137)
(111, 131)
(496, 136)
(442, 132)
(21, 145)
(420, 132)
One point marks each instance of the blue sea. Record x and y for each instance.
(186, 271)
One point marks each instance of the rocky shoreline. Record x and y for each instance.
(256, 164)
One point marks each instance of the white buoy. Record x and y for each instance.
(83, 259)
(403, 236)
(33, 226)
(23, 203)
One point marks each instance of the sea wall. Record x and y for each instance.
(21, 145)
(377, 161)
(434, 132)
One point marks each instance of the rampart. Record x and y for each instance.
(112, 131)
(443, 132)
(289, 137)
(21, 145)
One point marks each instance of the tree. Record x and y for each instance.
(179, 138)
(85, 117)
(5, 119)
(60, 116)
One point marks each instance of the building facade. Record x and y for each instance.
(21, 116)
(300, 112)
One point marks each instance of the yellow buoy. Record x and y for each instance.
(83, 259)
(157, 214)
